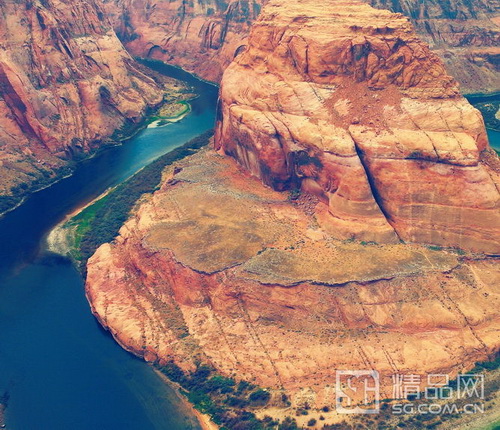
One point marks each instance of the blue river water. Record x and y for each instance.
(494, 138)
(59, 368)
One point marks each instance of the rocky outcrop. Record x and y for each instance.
(66, 84)
(204, 37)
(344, 102)
(201, 36)
(465, 34)
(214, 267)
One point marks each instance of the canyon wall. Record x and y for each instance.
(204, 37)
(465, 34)
(201, 36)
(345, 102)
(66, 84)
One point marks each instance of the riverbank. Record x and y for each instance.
(98, 222)
(3, 406)
(172, 113)
(175, 101)
(205, 421)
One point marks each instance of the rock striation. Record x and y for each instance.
(344, 102)
(465, 34)
(66, 84)
(216, 268)
(203, 37)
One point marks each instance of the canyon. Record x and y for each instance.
(69, 84)
(346, 214)
(66, 85)
(291, 248)
(204, 37)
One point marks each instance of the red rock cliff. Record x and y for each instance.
(465, 34)
(202, 37)
(205, 36)
(344, 101)
(66, 83)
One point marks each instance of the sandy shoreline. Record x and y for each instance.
(56, 239)
(205, 421)
(170, 120)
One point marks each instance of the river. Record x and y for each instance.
(493, 135)
(61, 370)
(494, 138)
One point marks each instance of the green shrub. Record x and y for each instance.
(260, 396)
(105, 222)
(288, 424)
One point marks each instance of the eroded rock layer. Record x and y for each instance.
(66, 83)
(205, 36)
(465, 34)
(218, 268)
(345, 102)
(200, 36)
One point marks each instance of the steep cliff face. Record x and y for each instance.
(66, 83)
(200, 36)
(217, 268)
(343, 101)
(204, 37)
(465, 34)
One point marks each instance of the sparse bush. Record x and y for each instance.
(288, 424)
(294, 194)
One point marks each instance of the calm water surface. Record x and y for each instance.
(494, 137)
(61, 370)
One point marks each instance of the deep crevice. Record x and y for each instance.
(371, 182)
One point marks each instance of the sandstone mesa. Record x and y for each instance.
(350, 106)
(248, 282)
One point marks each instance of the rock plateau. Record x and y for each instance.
(217, 268)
